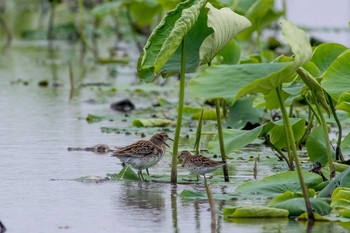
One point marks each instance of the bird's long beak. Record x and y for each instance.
(166, 144)
(171, 139)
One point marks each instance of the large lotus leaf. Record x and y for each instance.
(341, 198)
(166, 38)
(144, 12)
(344, 102)
(301, 48)
(335, 80)
(226, 24)
(258, 11)
(278, 135)
(316, 146)
(192, 22)
(280, 183)
(296, 205)
(345, 145)
(325, 54)
(230, 54)
(341, 180)
(254, 212)
(234, 139)
(225, 81)
(243, 112)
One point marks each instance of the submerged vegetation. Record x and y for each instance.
(235, 85)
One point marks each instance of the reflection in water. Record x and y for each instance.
(173, 199)
(141, 202)
(277, 225)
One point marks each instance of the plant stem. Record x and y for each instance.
(279, 151)
(211, 204)
(339, 154)
(179, 114)
(313, 110)
(290, 138)
(221, 140)
(326, 138)
(198, 133)
(4, 24)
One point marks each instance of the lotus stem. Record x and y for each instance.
(290, 138)
(4, 24)
(280, 155)
(326, 137)
(339, 153)
(199, 133)
(221, 140)
(179, 114)
(313, 110)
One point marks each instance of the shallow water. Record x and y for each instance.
(38, 191)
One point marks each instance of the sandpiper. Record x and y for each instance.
(143, 154)
(199, 164)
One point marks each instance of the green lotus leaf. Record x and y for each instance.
(341, 180)
(316, 146)
(226, 24)
(254, 212)
(295, 204)
(280, 183)
(335, 80)
(153, 122)
(325, 54)
(226, 81)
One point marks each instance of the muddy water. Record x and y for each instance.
(38, 192)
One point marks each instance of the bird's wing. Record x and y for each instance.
(137, 149)
(199, 160)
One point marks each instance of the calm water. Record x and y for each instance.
(38, 192)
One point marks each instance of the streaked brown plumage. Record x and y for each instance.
(199, 164)
(143, 154)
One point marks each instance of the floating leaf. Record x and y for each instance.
(279, 183)
(125, 174)
(91, 118)
(255, 212)
(295, 204)
(153, 122)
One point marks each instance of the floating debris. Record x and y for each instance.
(123, 106)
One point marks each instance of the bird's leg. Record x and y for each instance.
(198, 177)
(140, 172)
(147, 171)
